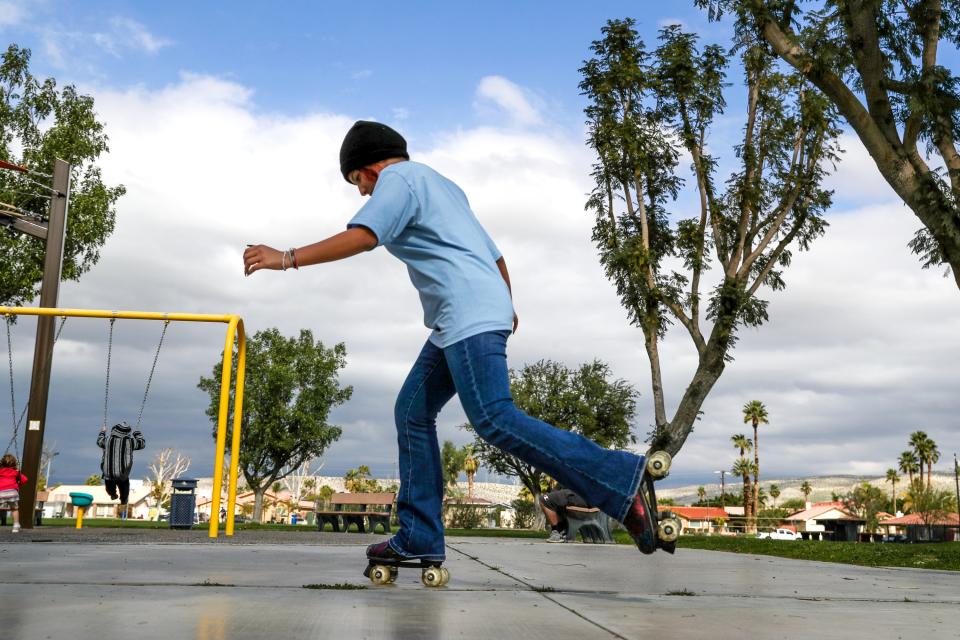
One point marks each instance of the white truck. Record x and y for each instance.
(780, 534)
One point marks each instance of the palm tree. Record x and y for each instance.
(756, 414)
(893, 479)
(931, 457)
(470, 468)
(922, 447)
(742, 468)
(743, 443)
(774, 493)
(908, 464)
(806, 490)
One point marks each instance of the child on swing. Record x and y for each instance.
(117, 460)
(10, 482)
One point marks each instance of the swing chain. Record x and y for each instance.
(13, 412)
(13, 408)
(156, 357)
(106, 392)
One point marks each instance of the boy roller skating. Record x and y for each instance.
(424, 219)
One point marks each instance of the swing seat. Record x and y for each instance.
(81, 499)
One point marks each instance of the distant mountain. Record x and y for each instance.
(823, 487)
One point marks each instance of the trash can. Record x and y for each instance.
(293, 518)
(183, 503)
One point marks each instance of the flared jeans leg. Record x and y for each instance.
(604, 478)
(427, 389)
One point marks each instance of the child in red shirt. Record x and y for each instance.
(10, 481)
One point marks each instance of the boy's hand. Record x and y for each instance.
(260, 256)
(516, 322)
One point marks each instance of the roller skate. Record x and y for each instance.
(383, 566)
(649, 529)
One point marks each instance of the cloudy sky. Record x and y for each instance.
(225, 120)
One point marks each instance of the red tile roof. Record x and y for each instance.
(916, 518)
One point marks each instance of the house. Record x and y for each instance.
(276, 506)
(699, 520)
(451, 504)
(59, 504)
(945, 528)
(826, 521)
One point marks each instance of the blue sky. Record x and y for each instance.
(225, 121)
(422, 59)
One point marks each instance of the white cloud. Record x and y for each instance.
(131, 34)
(362, 74)
(12, 14)
(859, 351)
(509, 98)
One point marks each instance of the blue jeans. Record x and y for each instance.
(476, 369)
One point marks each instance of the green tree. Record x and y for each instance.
(908, 464)
(39, 123)
(742, 468)
(451, 463)
(586, 401)
(755, 413)
(866, 501)
(701, 494)
(93, 480)
(806, 490)
(743, 444)
(470, 466)
(893, 479)
(925, 451)
(876, 62)
(359, 481)
(774, 493)
(931, 505)
(291, 386)
(644, 110)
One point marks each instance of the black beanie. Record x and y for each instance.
(368, 142)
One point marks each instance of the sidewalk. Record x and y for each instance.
(101, 584)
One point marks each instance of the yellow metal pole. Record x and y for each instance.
(79, 517)
(120, 315)
(237, 415)
(222, 428)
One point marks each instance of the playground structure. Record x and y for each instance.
(235, 334)
(52, 231)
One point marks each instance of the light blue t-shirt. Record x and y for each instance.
(425, 220)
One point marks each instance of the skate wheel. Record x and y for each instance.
(668, 530)
(381, 574)
(658, 464)
(432, 577)
(446, 576)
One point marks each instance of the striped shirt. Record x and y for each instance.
(118, 450)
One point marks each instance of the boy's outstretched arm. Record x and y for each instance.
(502, 266)
(336, 247)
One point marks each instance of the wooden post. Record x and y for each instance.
(43, 349)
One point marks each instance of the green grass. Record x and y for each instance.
(944, 556)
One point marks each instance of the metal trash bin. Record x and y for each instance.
(183, 503)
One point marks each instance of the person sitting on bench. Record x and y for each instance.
(554, 505)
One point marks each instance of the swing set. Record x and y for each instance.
(31, 189)
(235, 333)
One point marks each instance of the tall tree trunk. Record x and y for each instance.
(258, 503)
(756, 475)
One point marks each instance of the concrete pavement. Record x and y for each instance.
(100, 584)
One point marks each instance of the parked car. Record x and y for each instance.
(779, 534)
